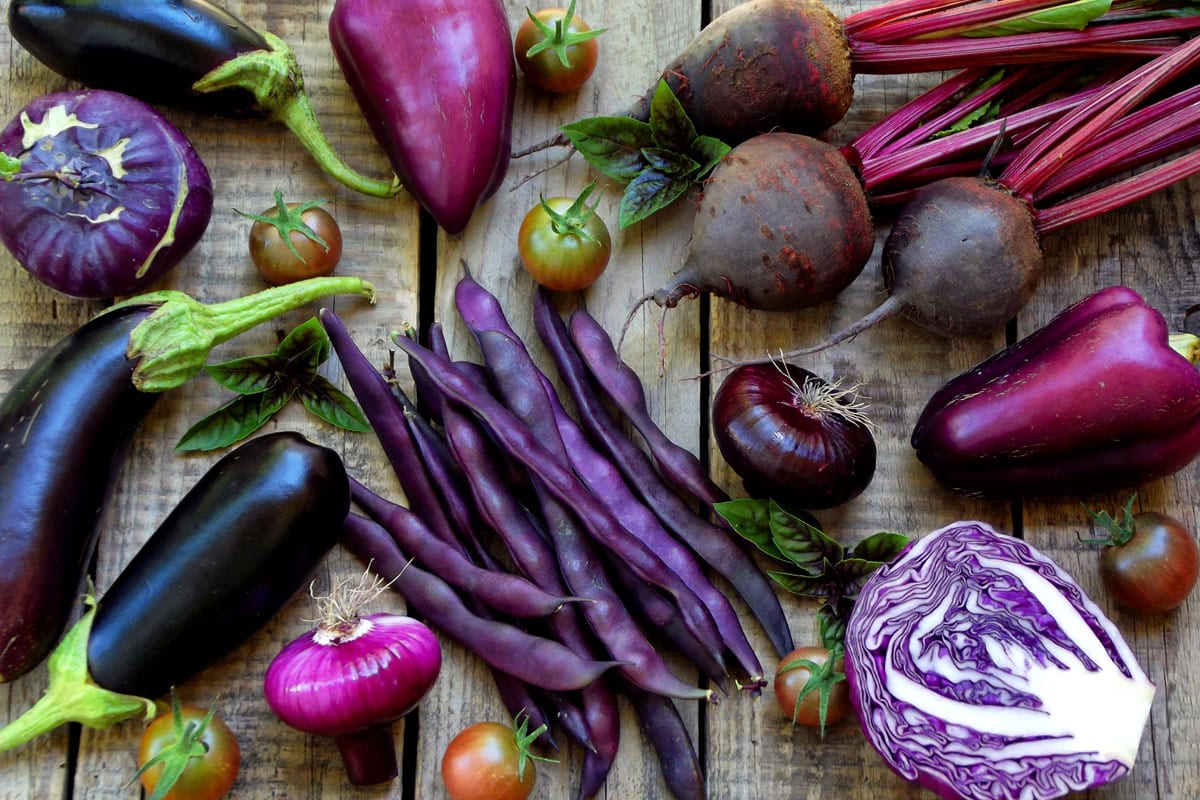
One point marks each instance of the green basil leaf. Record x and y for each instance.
(669, 123)
(831, 624)
(707, 152)
(751, 519)
(306, 347)
(613, 145)
(232, 422)
(668, 162)
(800, 585)
(649, 192)
(1073, 16)
(882, 546)
(803, 544)
(333, 405)
(249, 375)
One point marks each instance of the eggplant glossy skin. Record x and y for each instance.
(234, 550)
(1097, 400)
(109, 195)
(151, 49)
(64, 430)
(436, 82)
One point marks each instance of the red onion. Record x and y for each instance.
(350, 678)
(792, 436)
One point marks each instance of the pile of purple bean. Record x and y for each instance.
(567, 556)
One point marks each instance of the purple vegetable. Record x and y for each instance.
(438, 92)
(102, 194)
(1100, 398)
(980, 670)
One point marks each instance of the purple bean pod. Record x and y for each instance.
(507, 593)
(523, 388)
(533, 659)
(719, 549)
(623, 386)
(664, 727)
(532, 554)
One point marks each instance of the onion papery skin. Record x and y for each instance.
(787, 448)
(351, 681)
(979, 669)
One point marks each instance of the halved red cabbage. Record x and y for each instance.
(980, 670)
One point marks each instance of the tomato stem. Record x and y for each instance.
(287, 220)
(559, 38)
(1119, 533)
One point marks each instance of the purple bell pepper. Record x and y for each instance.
(1101, 398)
(436, 82)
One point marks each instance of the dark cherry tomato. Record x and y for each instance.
(1150, 561)
(188, 754)
(810, 690)
(556, 50)
(563, 243)
(294, 241)
(491, 761)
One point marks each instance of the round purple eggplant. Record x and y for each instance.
(101, 194)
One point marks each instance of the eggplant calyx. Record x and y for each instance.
(72, 695)
(1187, 345)
(275, 79)
(172, 344)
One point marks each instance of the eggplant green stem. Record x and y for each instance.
(274, 77)
(173, 343)
(72, 695)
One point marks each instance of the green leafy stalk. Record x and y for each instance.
(657, 160)
(172, 344)
(266, 383)
(274, 77)
(560, 37)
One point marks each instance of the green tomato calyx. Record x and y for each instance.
(573, 221)
(286, 220)
(175, 757)
(559, 37)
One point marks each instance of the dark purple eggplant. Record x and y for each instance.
(232, 553)
(438, 92)
(1101, 398)
(65, 425)
(64, 430)
(103, 195)
(187, 53)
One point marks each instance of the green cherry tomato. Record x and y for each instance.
(556, 50)
(564, 245)
(188, 754)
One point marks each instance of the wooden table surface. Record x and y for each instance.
(749, 750)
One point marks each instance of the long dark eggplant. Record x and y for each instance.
(65, 426)
(186, 53)
(236, 548)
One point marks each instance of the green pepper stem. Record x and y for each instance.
(1187, 345)
(72, 695)
(172, 344)
(275, 79)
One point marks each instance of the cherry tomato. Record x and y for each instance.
(294, 241)
(564, 245)
(191, 752)
(1150, 561)
(805, 681)
(491, 761)
(556, 50)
